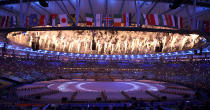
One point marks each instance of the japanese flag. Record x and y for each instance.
(63, 20)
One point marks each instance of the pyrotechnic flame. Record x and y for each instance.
(108, 42)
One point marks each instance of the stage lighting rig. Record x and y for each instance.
(43, 3)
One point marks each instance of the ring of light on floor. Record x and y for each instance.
(105, 86)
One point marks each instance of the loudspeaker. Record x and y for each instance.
(63, 100)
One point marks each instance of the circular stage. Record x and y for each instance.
(89, 90)
(104, 86)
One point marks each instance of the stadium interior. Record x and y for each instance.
(104, 55)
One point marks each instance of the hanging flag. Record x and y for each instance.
(154, 19)
(53, 19)
(160, 20)
(63, 20)
(176, 21)
(73, 18)
(165, 20)
(146, 19)
(196, 25)
(89, 19)
(13, 21)
(42, 21)
(7, 21)
(33, 20)
(171, 20)
(26, 21)
(117, 20)
(107, 21)
(180, 22)
(4, 22)
(126, 19)
(98, 20)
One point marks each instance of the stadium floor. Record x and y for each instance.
(80, 90)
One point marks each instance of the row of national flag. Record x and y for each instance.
(124, 20)
(202, 25)
(99, 20)
(163, 20)
(34, 20)
(107, 20)
(53, 20)
(119, 20)
(8, 21)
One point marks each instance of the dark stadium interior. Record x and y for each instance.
(104, 54)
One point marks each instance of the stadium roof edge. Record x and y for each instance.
(189, 2)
